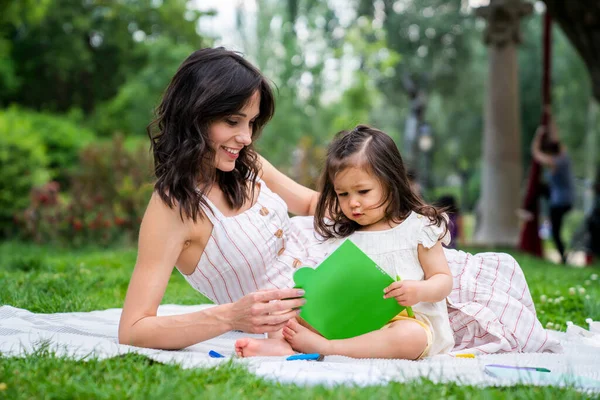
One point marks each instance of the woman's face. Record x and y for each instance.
(229, 135)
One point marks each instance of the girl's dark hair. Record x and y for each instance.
(210, 85)
(376, 152)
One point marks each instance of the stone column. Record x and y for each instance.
(501, 176)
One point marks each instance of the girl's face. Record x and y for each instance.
(229, 135)
(360, 194)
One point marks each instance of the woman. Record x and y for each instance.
(212, 214)
(554, 157)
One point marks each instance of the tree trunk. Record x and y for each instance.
(580, 21)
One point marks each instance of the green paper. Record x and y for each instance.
(344, 294)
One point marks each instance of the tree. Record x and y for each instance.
(132, 108)
(78, 53)
(15, 13)
(289, 44)
(579, 21)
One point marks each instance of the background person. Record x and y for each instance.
(553, 155)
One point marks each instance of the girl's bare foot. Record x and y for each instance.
(248, 347)
(304, 340)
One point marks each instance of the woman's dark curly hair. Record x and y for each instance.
(211, 84)
(374, 151)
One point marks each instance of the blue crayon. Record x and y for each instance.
(214, 354)
(310, 357)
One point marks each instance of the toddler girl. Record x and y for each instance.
(366, 197)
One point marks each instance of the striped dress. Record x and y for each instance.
(490, 308)
(257, 249)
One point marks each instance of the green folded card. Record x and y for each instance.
(344, 294)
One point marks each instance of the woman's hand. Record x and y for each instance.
(406, 293)
(265, 310)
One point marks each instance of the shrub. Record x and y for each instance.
(108, 195)
(23, 163)
(61, 137)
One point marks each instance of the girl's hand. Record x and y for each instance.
(406, 293)
(265, 310)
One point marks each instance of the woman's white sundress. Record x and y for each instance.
(257, 249)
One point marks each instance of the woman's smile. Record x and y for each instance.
(231, 152)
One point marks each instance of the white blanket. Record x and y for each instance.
(94, 335)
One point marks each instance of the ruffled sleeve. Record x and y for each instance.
(431, 233)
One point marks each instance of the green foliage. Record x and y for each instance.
(15, 13)
(434, 38)
(301, 49)
(334, 65)
(109, 193)
(8, 78)
(24, 164)
(24, 11)
(78, 53)
(62, 139)
(530, 77)
(34, 148)
(131, 110)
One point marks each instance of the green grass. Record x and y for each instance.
(45, 279)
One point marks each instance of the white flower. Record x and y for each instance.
(581, 290)
(587, 282)
(543, 298)
(594, 277)
(571, 291)
(549, 325)
(587, 297)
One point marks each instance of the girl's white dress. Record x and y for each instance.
(395, 251)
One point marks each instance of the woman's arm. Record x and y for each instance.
(162, 235)
(300, 199)
(536, 149)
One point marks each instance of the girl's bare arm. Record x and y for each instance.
(438, 278)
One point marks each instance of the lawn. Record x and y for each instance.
(47, 280)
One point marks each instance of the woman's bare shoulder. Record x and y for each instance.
(163, 216)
